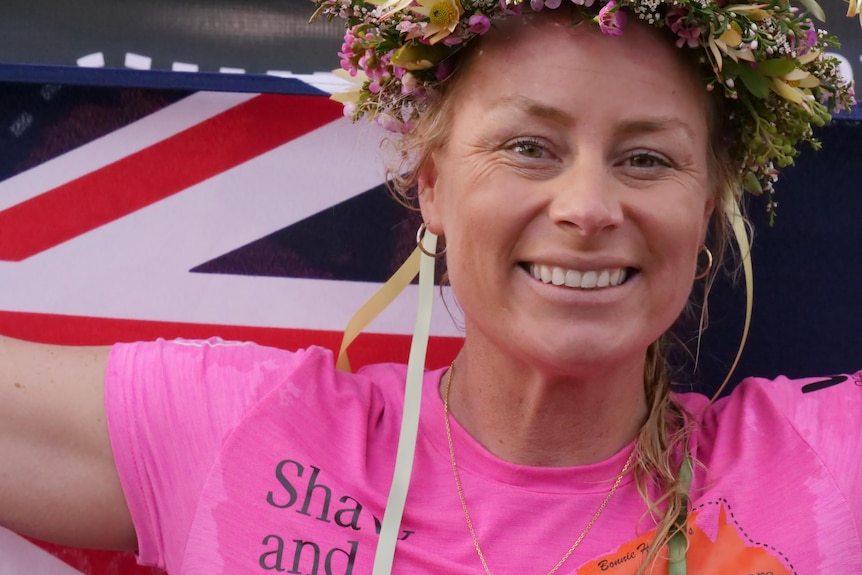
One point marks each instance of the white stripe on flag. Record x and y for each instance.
(19, 556)
(137, 267)
(117, 145)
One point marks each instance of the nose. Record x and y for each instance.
(585, 198)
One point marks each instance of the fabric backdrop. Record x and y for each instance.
(136, 205)
(249, 35)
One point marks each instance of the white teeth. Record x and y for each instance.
(578, 279)
(604, 279)
(558, 276)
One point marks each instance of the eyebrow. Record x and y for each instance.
(653, 125)
(534, 108)
(625, 128)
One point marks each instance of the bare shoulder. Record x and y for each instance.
(59, 481)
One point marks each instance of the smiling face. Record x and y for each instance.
(573, 192)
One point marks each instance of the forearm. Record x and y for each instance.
(58, 480)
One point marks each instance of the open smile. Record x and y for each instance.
(581, 279)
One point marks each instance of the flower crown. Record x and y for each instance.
(768, 58)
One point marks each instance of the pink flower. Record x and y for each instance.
(348, 66)
(349, 59)
(537, 5)
(688, 32)
(444, 70)
(391, 124)
(478, 24)
(806, 43)
(409, 84)
(410, 28)
(611, 20)
(510, 10)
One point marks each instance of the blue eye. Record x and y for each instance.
(529, 147)
(647, 160)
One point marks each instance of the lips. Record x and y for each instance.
(581, 279)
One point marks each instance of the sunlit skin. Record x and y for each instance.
(571, 149)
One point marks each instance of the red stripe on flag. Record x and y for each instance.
(154, 173)
(92, 562)
(78, 330)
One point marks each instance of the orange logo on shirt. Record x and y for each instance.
(727, 554)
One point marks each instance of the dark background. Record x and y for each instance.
(256, 35)
(807, 317)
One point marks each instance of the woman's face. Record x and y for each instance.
(573, 191)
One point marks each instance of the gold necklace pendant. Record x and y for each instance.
(463, 500)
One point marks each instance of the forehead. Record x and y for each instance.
(565, 65)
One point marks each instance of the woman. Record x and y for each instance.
(574, 215)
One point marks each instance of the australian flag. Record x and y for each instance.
(140, 205)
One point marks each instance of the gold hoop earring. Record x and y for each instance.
(704, 273)
(420, 235)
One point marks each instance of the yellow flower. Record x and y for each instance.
(353, 86)
(789, 93)
(389, 7)
(443, 16)
(755, 12)
(413, 56)
(809, 57)
(731, 37)
(803, 78)
(795, 86)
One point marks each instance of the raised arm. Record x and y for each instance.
(58, 479)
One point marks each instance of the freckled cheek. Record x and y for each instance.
(669, 280)
(680, 280)
(476, 253)
(674, 257)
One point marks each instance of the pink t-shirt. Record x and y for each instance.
(242, 459)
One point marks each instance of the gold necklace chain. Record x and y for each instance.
(464, 500)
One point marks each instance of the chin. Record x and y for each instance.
(584, 354)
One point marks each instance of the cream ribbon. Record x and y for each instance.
(391, 525)
(377, 303)
(740, 232)
(424, 265)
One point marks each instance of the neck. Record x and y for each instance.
(528, 416)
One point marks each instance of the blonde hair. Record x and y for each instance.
(664, 436)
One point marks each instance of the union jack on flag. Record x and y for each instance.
(133, 212)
